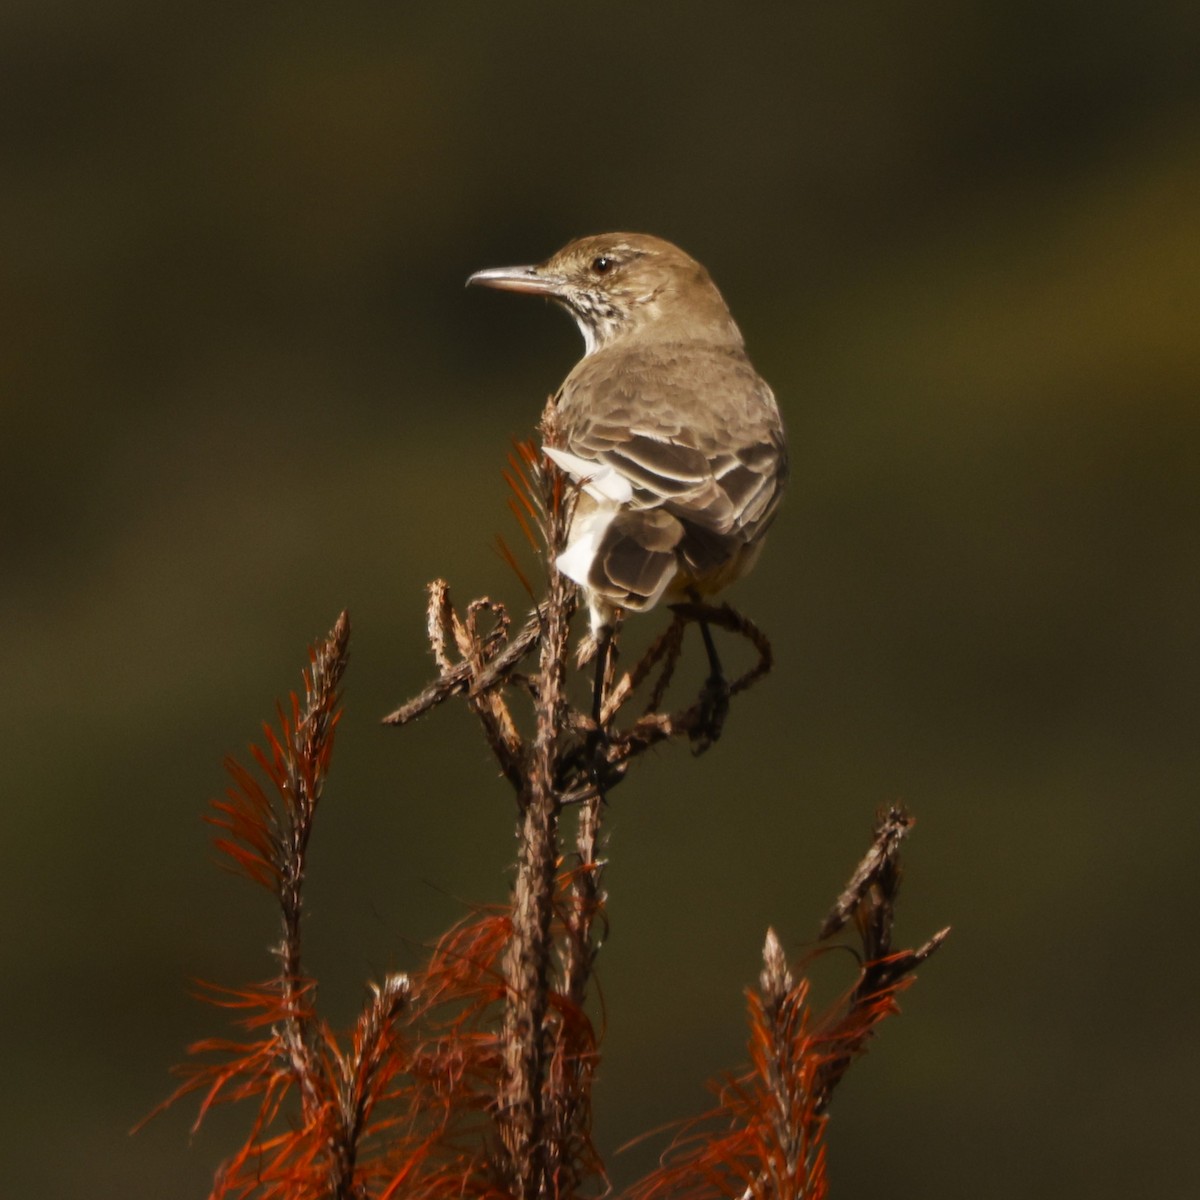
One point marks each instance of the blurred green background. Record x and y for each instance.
(243, 387)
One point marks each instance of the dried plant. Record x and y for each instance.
(473, 1077)
(766, 1136)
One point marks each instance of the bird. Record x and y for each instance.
(675, 441)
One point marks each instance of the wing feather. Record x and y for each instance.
(704, 470)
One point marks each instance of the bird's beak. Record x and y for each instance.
(519, 279)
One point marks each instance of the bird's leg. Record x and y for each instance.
(603, 648)
(597, 739)
(716, 674)
(714, 698)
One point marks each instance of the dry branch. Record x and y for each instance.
(766, 1137)
(473, 1077)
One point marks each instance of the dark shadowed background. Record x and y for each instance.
(243, 387)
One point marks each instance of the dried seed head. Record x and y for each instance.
(776, 980)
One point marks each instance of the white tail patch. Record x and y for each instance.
(587, 532)
(603, 484)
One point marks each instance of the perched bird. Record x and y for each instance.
(677, 443)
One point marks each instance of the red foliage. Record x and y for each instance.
(405, 1103)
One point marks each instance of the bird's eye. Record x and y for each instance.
(602, 264)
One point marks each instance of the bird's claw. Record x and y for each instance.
(713, 709)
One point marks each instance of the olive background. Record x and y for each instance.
(242, 386)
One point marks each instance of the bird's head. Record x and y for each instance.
(620, 284)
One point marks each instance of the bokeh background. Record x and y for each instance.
(243, 386)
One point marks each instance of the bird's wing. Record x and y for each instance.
(723, 479)
(672, 479)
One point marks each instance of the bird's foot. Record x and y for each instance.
(596, 758)
(603, 774)
(713, 709)
(587, 770)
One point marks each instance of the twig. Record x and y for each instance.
(460, 678)
(870, 896)
(300, 766)
(527, 1047)
(765, 1140)
(891, 828)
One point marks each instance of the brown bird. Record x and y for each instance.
(677, 442)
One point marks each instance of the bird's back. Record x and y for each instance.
(697, 435)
